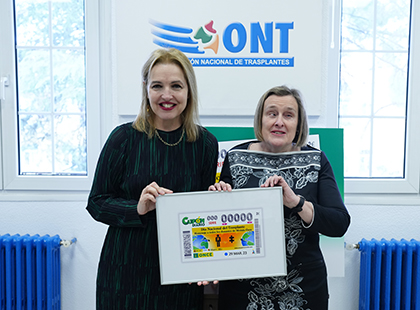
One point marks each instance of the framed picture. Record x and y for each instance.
(221, 235)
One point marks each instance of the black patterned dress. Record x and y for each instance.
(309, 174)
(128, 272)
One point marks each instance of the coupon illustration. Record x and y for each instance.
(221, 235)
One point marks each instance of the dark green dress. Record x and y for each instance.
(128, 272)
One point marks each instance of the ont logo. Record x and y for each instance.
(233, 38)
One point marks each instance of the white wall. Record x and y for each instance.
(69, 220)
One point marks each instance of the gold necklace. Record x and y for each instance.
(170, 144)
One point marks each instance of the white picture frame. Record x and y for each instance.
(254, 213)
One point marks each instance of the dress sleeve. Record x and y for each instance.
(331, 217)
(211, 154)
(106, 202)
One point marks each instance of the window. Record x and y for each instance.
(46, 98)
(376, 101)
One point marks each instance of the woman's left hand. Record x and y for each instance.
(290, 199)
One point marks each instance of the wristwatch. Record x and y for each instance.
(299, 206)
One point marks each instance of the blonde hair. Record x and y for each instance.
(189, 117)
(302, 130)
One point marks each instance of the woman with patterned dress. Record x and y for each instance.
(312, 205)
(161, 152)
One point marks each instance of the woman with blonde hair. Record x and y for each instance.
(163, 151)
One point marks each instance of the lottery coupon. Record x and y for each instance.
(221, 235)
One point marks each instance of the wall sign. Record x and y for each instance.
(239, 49)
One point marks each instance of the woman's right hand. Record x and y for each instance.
(147, 201)
(221, 186)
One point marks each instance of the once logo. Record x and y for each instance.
(194, 222)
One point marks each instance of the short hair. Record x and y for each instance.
(302, 130)
(144, 121)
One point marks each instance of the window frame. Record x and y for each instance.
(11, 180)
(367, 190)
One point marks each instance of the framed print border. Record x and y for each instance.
(221, 235)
